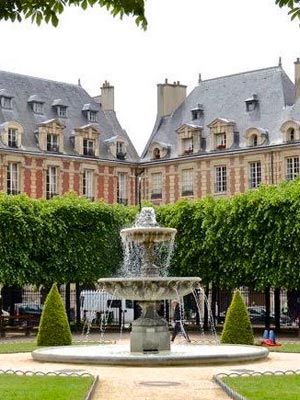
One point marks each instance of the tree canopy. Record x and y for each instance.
(293, 5)
(49, 10)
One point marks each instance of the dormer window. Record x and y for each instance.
(254, 140)
(52, 143)
(120, 152)
(86, 140)
(36, 104)
(62, 111)
(188, 139)
(290, 135)
(117, 146)
(6, 103)
(221, 141)
(90, 111)
(88, 147)
(251, 103)
(290, 130)
(221, 134)
(156, 153)
(197, 112)
(37, 108)
(158, 150)
(256, 136)
(5, 99)
(60, 108)
(11, 134)
(188, 146)
(92, 116)
(12, 137)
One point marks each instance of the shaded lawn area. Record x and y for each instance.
(23, 387)
(23, 347)
(267, 387)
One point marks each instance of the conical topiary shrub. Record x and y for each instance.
(54, 329)
(237, 327)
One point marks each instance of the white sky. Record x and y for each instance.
(184, 38)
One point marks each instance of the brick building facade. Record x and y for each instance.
(228, 135)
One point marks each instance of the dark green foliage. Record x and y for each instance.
(250, 239)
(66, 239)
(49, 10)
(237, 327)
(293, 5)
(54, 327)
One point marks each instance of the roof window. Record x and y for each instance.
(251, 103)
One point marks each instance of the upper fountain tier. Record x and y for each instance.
(152, 234)
(146, 229)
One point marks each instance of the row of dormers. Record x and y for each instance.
(59, 106)
(222, 136)
(251, 103)
(50, 138)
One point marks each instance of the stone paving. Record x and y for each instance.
(176, 383)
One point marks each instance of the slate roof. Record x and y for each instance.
(225, 98)
(23, 88)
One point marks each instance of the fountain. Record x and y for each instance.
(150, 332)
(150, 336)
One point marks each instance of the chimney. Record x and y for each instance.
(297, 78)
(169, 97)
(107, 97)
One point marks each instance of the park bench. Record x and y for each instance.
(24, 323)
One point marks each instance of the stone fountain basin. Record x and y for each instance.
(149, 289)
(154, 234)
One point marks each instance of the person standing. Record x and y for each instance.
(178, 322)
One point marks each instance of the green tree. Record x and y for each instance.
(292, 5)
(48, 10)
(237, 327)
(54, 329)
(80, 239)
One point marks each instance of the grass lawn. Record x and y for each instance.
(23, 347)
(270, 387)
(286, 348)
(22, 387)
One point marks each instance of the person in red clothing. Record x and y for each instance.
(178, 322)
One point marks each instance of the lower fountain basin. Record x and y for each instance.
(119, 354)
(149, 289)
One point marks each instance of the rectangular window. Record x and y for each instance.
(13, 178)
(37, 108)
(254, 174)
(51, 182)
(88, 184)
(120, 152)
(12, 137)
(221, 141)
(220, 179)
(187, 182)
(292, 168)
(187, 145)
(156, 186)
(62, 111)
(6, 102)
(122, 189)
(88, 147)
(52, 143)
(92, 116)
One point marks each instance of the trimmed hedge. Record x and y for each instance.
(237, 327)
(54, 327)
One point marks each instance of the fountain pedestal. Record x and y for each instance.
(150, 333)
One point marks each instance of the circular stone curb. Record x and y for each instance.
(188, 354)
